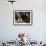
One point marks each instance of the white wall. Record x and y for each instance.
(38, 30)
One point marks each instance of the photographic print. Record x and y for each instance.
(22, 16)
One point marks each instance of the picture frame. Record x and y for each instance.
(22, 17)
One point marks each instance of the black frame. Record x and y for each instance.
(31, 12)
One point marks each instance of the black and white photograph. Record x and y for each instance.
(22, 17)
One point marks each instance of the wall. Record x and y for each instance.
(38, 29)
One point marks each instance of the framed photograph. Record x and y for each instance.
(22, 17)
